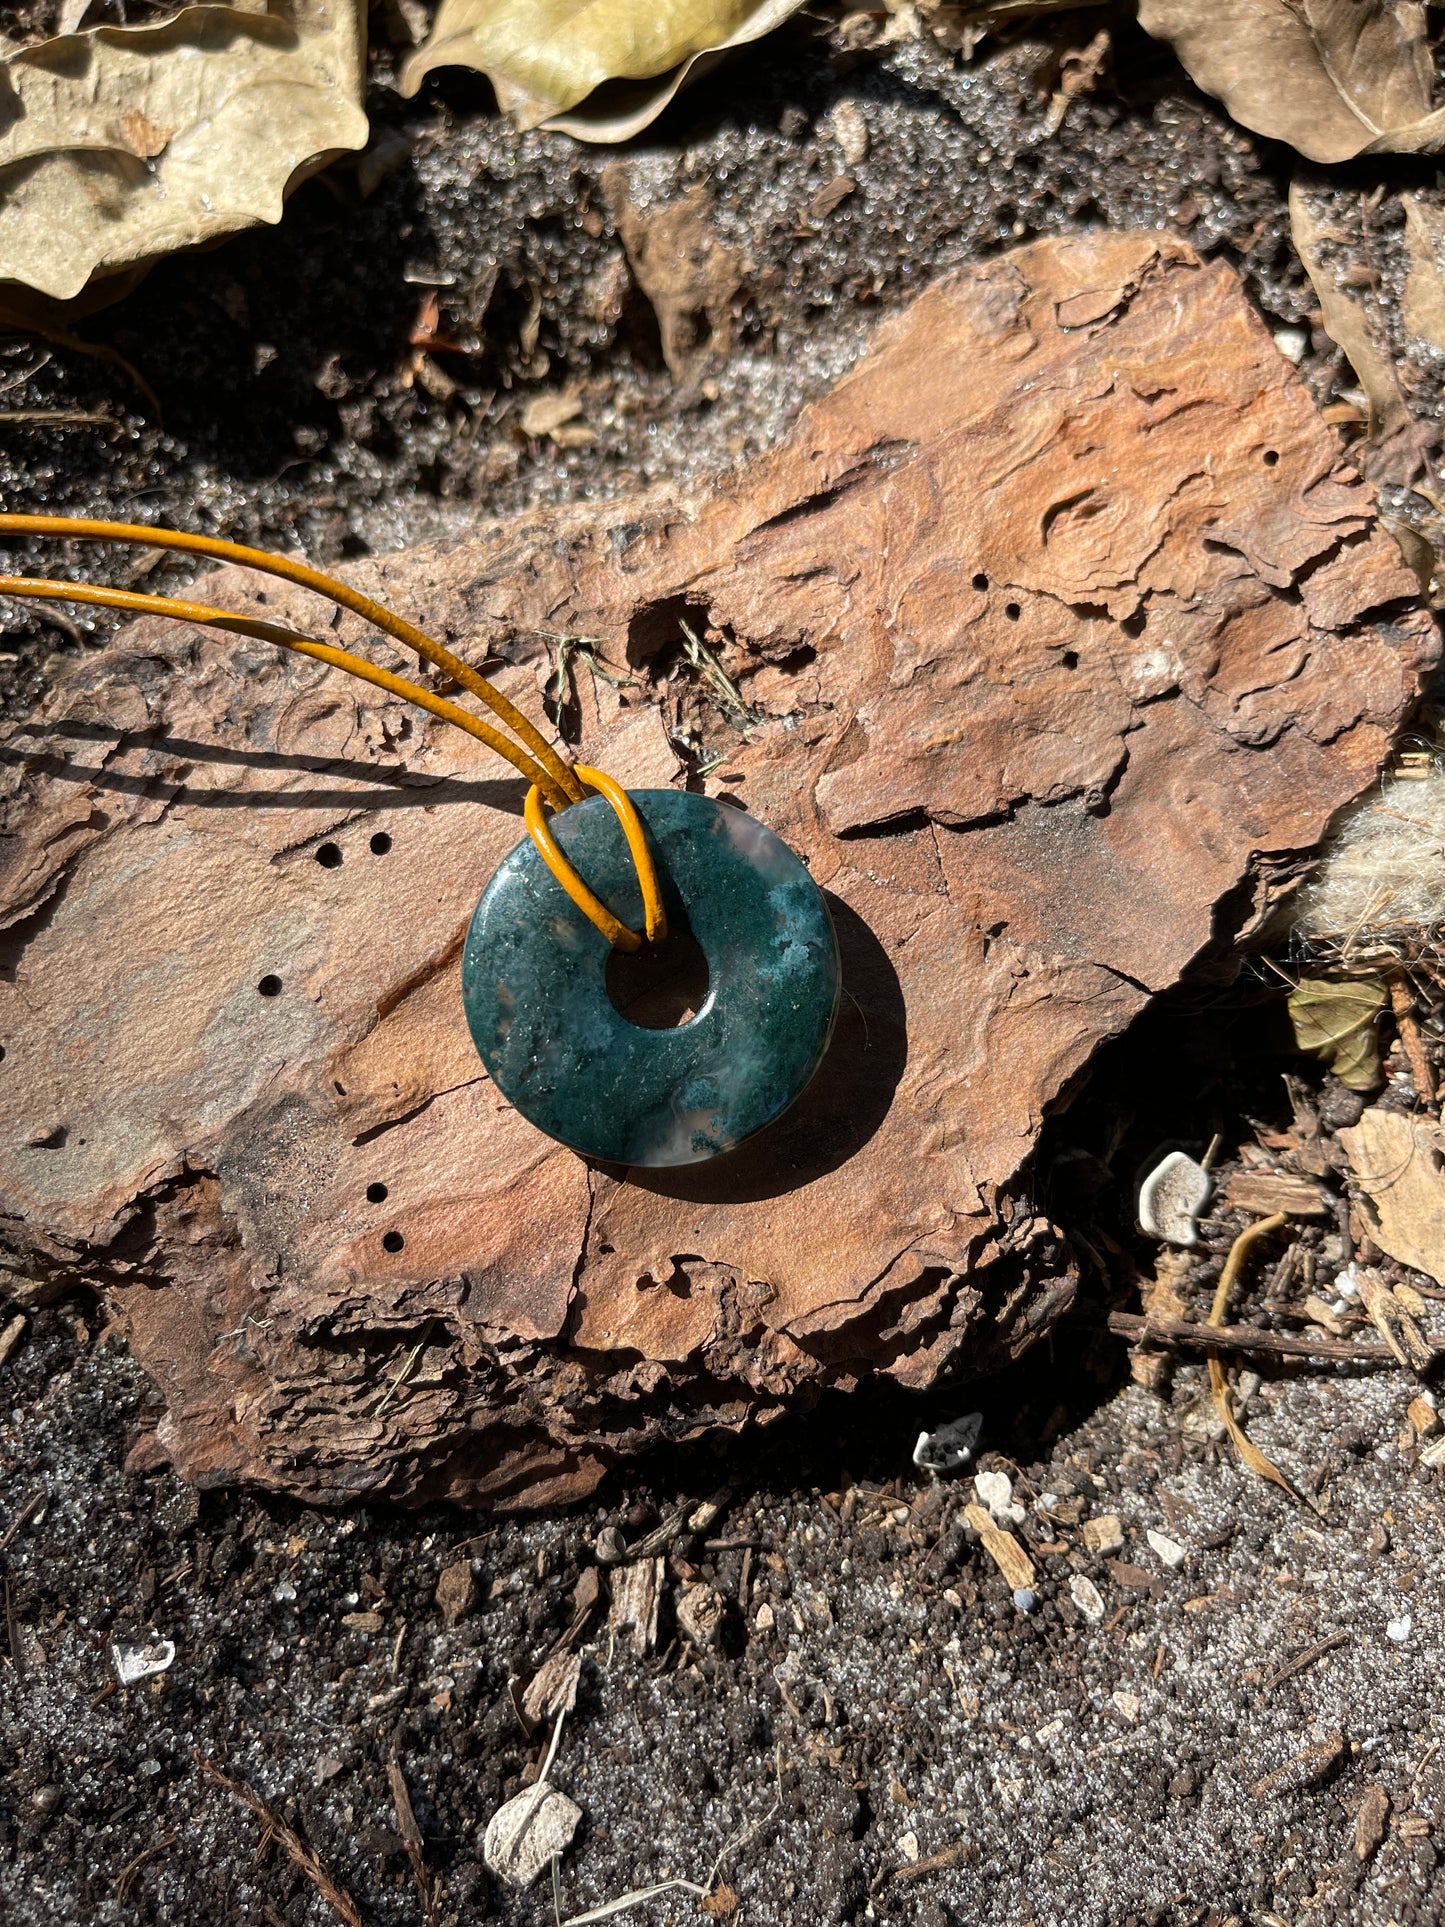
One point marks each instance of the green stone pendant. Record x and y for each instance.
(534, 982)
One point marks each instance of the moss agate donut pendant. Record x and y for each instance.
(534, 983)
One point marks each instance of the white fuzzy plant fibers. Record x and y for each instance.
(1380, 885)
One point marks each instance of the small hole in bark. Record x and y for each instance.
(1271, 457)
(392, 1241)
(270, 986)
(376, 1193)
(980, 582)
(380, 843)
(1012, 611)
(329, 856)
(661, 985)
(1070, 659)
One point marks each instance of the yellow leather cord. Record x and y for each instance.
(549, 775)
(136, 603)
(559, 776)
(591, 905)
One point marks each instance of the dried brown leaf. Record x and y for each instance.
(125, 143)
(1397, 1160)
(1334, 78)
(548, 59)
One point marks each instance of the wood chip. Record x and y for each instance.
(1423, 1416)
(1324, 1315)
(636, 1596)
(1311, 1766)
(1270, 1191)
(1135, 1577)
(457, 1592)
(1372, 1822)
(1103, 1534)
(701, 1615)
(1002, 1547)
(553, 1688)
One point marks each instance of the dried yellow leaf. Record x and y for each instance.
(1335, 1020)
(126, 143)
(546, 57)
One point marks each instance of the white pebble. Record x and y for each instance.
(1399, 1629)
(1292, 343)
(1168, 1551)
(1086, 1596)
(1025, 1600)
(523, 1835)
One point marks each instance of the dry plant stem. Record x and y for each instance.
(208, 618)
(129, 1872)
(411, 1838)
(1185, 1335)
(1218, 1383)
(300, 1855)
(1402, 1002)
(559, 774)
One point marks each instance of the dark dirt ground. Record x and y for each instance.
(878, 1698)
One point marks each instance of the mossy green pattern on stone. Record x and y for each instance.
(534, 984)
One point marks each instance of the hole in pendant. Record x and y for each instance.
(661, 985)
(269, 987)
(376, 1194)
(329, 856)
(392, 1241)
(380, 843)
(1271, 458)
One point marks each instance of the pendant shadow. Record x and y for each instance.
(840, 1110)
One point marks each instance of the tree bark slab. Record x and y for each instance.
(1067, 629)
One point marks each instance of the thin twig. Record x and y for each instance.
(1403, 1004)
(411, 1838)
(1185, 1335)
(302, 1857)
(23, 1517)
(1304, 1659)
